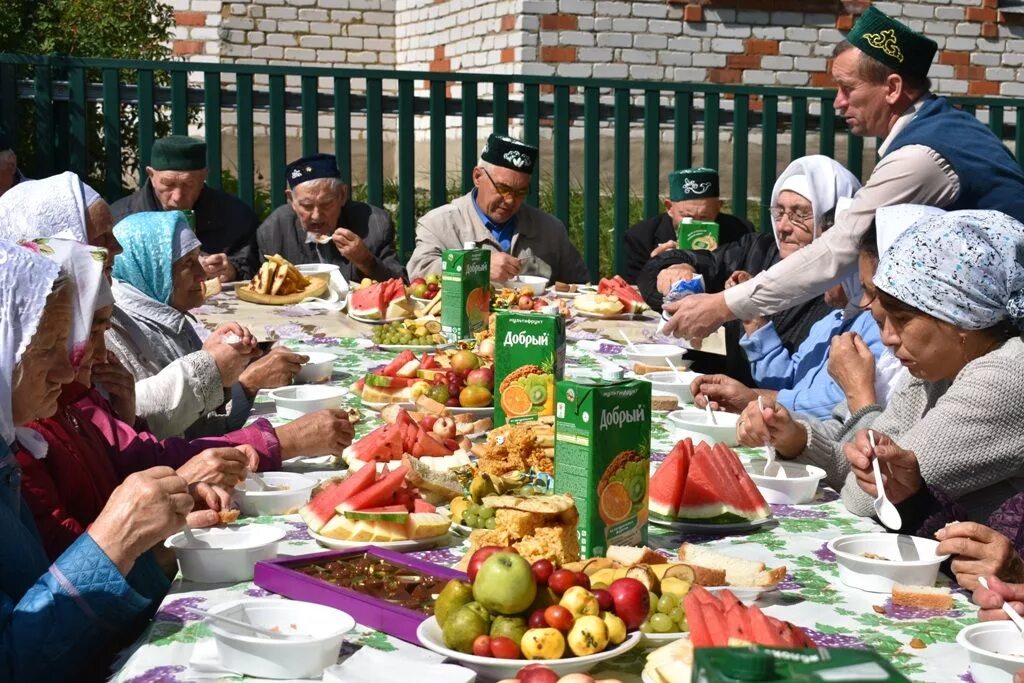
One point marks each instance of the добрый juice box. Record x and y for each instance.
(465, 292)
(602, 456)
(529, 357)
(693, 234)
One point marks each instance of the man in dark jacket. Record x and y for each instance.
(319, 224)
(10, 174)
(693, 193)
(224, 224)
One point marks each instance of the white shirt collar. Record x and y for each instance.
(902, 122)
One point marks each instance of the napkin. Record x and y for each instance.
(408, 664)
(334, 299)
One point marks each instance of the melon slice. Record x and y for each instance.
(378, 494)
(668, 482)
(427, 524)
(345, 529)
(389, 532)
(387, 513)
(319, 511)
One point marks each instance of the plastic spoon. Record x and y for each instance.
(886, 512)
(632, 347)
(256, 479)
(711, 413)
(679, 375)
(191, 541)
(771, 468)
(237, 623)
(1017, 619)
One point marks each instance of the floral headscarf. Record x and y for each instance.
(152, 242)
(963, 267)
(83, 264)
(50, 207)
(26, 279)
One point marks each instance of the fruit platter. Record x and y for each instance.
(458, 379)
(706, 488)
(615, 299)
(511, 611)
(470, 511)
(425, 289)
(420, 334)
(380, 303)
(525, 298)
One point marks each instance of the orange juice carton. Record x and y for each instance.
(529, 357)
(465, 292)
(602, 457)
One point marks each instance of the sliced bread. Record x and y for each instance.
(664, 402)
(738, 572)
(630, 556)
(926, 597)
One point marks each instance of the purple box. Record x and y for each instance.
(278, 576)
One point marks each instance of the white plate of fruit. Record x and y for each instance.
(423, 290)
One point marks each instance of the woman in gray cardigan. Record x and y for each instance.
(949, 298)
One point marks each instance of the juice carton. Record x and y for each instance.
(602, 457)
(756, 663)
(465, 292)
(693, 234)
(529, 357)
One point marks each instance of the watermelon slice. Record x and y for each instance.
(386, 513)
(428, 445)
(715, 488)
(420, 505)
(392, 368)
(745, 483)
(319, 511)
(378, 494)
(367, 302)
(666, 487)
(381, 445)
(721, 622)
(627, 295)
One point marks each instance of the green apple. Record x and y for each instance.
(504, 584)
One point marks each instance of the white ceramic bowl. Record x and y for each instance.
(668, 383)
(430, 637)
(539, 284)
(225, 555)
(995, 650)
(297, 400)
(317, 369)
(696, 420)
(799, 485)
(288, 492)
(317, 268)
(260, 657)
(656, 354)
(910, 560)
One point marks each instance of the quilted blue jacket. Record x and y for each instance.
(55, 618)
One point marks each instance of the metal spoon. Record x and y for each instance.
(771, 468)
(237, 623)
(886, 512)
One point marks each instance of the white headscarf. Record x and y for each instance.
(893, 221)
(50, 207)
(26, 279)
(824, 181)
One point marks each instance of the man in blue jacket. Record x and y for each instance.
(932, 154)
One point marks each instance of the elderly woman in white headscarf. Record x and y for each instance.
(180, 393)
(60, 620)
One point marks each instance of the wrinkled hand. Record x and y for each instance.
(504, 266)
(696, 316)
(218, 266)
(247, 340)
(979, 551)
(353, 248)
(852, 365)
(774, 425)
(738, 277)
(722, 392)
(231, 359)
(325, 432)
(901, 474)
(663, 247)
(119, 383)
(673, 274)
(276, 369)
(990, 600)
(224, 466)
(209, 501)
(146, 508)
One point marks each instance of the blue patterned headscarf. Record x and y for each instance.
(964, 267)
(152, 242)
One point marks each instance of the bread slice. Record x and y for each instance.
(630, 556)
(664, 402)
(443, 484)
(645, 369)
(738, 572)
(926, 597)
(279, 279)
(707, 576)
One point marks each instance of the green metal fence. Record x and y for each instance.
(70, 101)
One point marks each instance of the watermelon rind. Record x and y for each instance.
(390, 513)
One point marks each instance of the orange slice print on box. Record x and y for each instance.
(515, 401)
(614, 503)
(478, 306)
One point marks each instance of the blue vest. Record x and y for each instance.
(990, 178)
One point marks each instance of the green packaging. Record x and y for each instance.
(465, 292)
(693, 234)
(756, 663)
(529, 357)
(602, 458)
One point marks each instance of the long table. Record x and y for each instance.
(921, 643)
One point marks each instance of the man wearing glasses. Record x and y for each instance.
(523, 240)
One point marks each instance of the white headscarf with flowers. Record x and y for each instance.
(49, 207)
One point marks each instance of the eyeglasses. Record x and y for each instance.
(801, 218)
(507, 193)
(865, 302)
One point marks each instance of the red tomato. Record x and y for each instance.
(562, 580)
(482, 646)
(558, 617)
(504, 648)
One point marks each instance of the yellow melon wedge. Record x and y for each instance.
(427, 524)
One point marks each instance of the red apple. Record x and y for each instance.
(483, 377)
(542, 571)
(525, 303)
(632, 601)
(536, 673)
(562, 580)
(604, 599)
(427, 422)
(582, 580)
(479, 556)
(537, 619)
(559, 617)
(418, 281)
(444, 427)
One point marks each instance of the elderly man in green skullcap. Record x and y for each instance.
(932, 154)
(692, 193)
(522, 239)
(224, 224)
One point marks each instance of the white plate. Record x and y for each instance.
(421, 301)
(367, 321)
(604, 316)
(704, 528)
(748, 595)
(644, 678)
(398, 546)
(415, 348)
(460, 529)
(563, 295)
(478, 413)
(429, 635)
(659, 639)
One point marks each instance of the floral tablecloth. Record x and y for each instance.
(920, 643)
